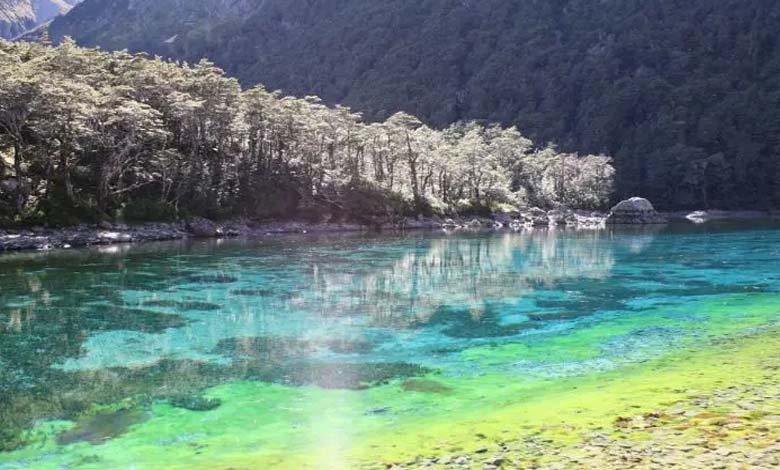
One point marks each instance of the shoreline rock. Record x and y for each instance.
(105, 233)
(635, 211)
(200, 227)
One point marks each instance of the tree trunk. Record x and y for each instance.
(20, 196)
(65, 173)
(412, 160)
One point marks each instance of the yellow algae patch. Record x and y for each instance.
(567, 411)
(489, 411)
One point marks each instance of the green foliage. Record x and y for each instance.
(146, 210)
(11, 439)
(91, 135)
(663, 86)
(58, 212)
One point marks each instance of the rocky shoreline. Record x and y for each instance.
(635, 211)
(106, 233)
(41, 239)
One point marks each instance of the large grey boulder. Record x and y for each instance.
(202, 228)
(635, 211)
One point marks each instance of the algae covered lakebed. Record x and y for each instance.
(625, 348)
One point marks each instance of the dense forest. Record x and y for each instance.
(682, 94)
(87, 135)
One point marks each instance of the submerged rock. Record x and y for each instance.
(265, 349)
(426, 386)
(212, 279)
(347, 376)
(635, 211)
(99, 428)
(556, 316)
(195, 402)
(184, 305)
(348, 346)
(459, 322)
(253, 292)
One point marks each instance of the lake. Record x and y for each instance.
(355, 351)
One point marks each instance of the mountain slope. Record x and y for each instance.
(684, 95)
(18, 16)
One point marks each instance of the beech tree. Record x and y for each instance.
(94, 135)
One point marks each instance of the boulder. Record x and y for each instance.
(450, 224)
(635, 211)
(410, 223)
(559, 217)
(502, 219)
(80, 239)
(585, 219)
(535, 217)
(202, 227)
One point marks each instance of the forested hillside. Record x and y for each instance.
(87, 135)
(684, 95)
(18, 16)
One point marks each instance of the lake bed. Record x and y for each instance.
(475, 349)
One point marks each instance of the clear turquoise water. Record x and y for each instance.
(107, 347)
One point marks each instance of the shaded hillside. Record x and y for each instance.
(684, 95)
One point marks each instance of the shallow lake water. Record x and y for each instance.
(325, 351)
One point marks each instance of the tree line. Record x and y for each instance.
(87, 135)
